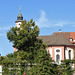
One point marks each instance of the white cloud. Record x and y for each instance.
(61, 23)
(43, 21)
(4, 28)
(3, 31)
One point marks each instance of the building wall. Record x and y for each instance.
(0, 70)
(18, 24)
(53, 53)
(67, 52)
(15, 49)
(64, 52)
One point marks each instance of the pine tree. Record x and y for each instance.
(31, 50)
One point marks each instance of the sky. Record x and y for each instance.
(49, 15)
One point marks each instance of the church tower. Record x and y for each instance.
(18, 23)
(19, 19)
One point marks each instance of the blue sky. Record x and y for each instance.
(49, 15)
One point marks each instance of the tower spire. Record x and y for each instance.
(20, 9)
(19, 17)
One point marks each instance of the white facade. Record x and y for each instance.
(67, 53)
(18, 24)
(58, 53)
(0, 70)
(50, 51)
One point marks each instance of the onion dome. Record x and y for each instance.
(19, 17)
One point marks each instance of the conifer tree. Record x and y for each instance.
(31, 49)
(25, 39)
(67, 67)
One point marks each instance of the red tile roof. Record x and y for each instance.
(72, 35)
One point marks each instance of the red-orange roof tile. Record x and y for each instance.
(72, 35)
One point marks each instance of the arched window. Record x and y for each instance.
(57, 57)
(69, 54)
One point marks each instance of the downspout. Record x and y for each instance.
(64, 52)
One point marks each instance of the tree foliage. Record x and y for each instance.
(24, 38)
(67, 67)
(44, 65)
(31, 56)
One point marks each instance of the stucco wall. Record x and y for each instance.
(64, 52)
(52, 51)
(67, 52)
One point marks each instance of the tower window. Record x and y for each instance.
(19, 23)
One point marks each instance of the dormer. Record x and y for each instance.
(71, 39)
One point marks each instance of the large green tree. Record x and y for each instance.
(25, 39)
(31, 50)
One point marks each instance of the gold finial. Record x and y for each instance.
(20, 9)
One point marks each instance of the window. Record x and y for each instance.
(69, 54)
(57, 57)
(57, 50)
(19, 23)
(70, 39)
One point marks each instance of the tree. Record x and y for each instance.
(8, 63)
(31, 50)
(25, 39)
(5, 62)
(66, 68)
(44, 65)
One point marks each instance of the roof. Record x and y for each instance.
(45, 38)
(57, 38)
(72, 35)
(66, 34)
(19, 17)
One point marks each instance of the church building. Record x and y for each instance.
(60, 45)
